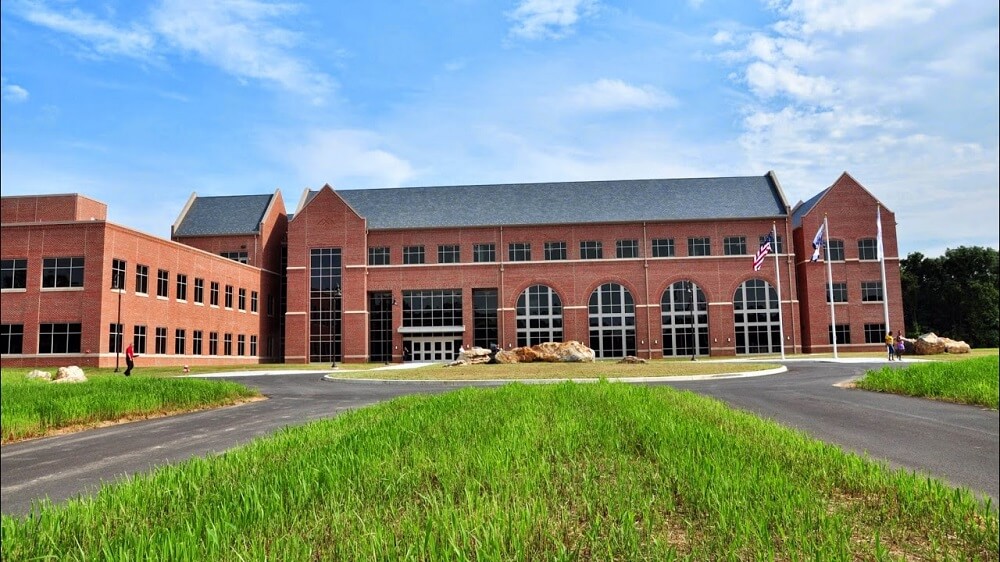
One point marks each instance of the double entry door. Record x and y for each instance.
(439, 348)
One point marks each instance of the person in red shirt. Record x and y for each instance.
(129, 360)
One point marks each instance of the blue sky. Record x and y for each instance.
(139, 104)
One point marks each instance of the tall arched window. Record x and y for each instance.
(612, 321)
(685, 327)
(539, 316)
(755, 315)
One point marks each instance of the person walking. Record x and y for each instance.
(889, 345)
(129, 360)
(900, 346)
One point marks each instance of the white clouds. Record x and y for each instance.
(98, 37)
(767, 81)
(242, 39)
(12, 93)
(344, 158)
(850, 16)
(615, 95)
(537, 19)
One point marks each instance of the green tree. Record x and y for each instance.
(956, 295)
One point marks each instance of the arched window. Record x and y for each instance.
(612, 321)
(685, 327)
(755, 315)
(539, 316)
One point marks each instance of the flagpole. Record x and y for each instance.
(777, 276)
(881, 260)
(829, 286)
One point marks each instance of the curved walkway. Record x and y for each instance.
(953, 442)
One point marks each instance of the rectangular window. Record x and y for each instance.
(663, 247)
(253, 345)
(843, 334)
(874, 333)
(484, 316)
(836, 248)
(11, 339)
(213, 343)
(449, 253)
(555, 251)
(115, 333)
(627, 249)
(871, 291)
(591, 250)
(213, 293)
(482, 253)
(432, 308)
(734, 245)
(14, 274)
(59, 338)
(241, 345)
(229, 297)
(139, 339)
(162, 282)
(180, 341)
(867, 249)
(142, 279)
(242, 300)
(839, 292)
(182, 287)
(776, 247)
(118, 274)
(699, 246)
(378, 255)
(235, 256)
(413, 255)
(196, 342)
(199, 290)
(253, 301)
(380, 326)
(62, 272)
(519, 251)
(227, 344)
(161, 340)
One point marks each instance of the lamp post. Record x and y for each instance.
(694, 329)
(336, 309)
(116, 283)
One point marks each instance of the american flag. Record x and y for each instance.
(762, 252)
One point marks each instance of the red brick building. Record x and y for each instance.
(651, 268)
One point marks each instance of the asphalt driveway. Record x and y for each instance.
(956, 443)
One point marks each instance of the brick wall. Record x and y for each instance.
(51, 208)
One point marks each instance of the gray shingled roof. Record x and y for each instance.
(232, 214)
(567, 202)
(800, 210)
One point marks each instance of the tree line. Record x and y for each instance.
(956, 295)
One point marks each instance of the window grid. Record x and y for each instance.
(378, 255)
(182, 287)
(539, 316)
(380, 326)
(699, 246)
(253, 345)
(241, 345)
(871, 291)
(325, 320)
(59, 338)
(519, 251)
(229, 296)
(227, 344)
(555, 251)
(875, 333)
(839, 292)
(432, 308)
(663, 247)
(734, 245)
(213, 293)
(115, 334)
(612, 321)
(684, 320)
(253, 301)
(213, 343)
(240, 256)
(627, 249)
(755, 315)
(180, 341)
(484, 318)
(118, 274)
(591, 250)
(62, 272)
(449, 253)
(242, 300)
(196, 341)
(199, 290)
(11, 339)
(161, 340)
(777, 246)
(836, 250)
(14, 274)
(139, 339)
(867, 249)
(482, 253)
(162, 282)
(142, 279)
(843, 334)
(413, 255)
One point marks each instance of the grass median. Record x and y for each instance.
(969, 381)
(522, 472)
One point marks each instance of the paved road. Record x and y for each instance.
(956, 443)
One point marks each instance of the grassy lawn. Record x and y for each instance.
(32, 408)
(969, 381)
(522, 472)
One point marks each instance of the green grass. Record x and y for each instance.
(32, 408)
(971, 381)
(522, 472)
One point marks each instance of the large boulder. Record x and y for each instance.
(40, 375)
(548, 352)
(932, 344)
(471, 356)
(70, 374)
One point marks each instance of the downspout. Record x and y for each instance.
(500, 299)
(645, 274)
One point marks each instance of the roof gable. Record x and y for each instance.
(223, 215)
